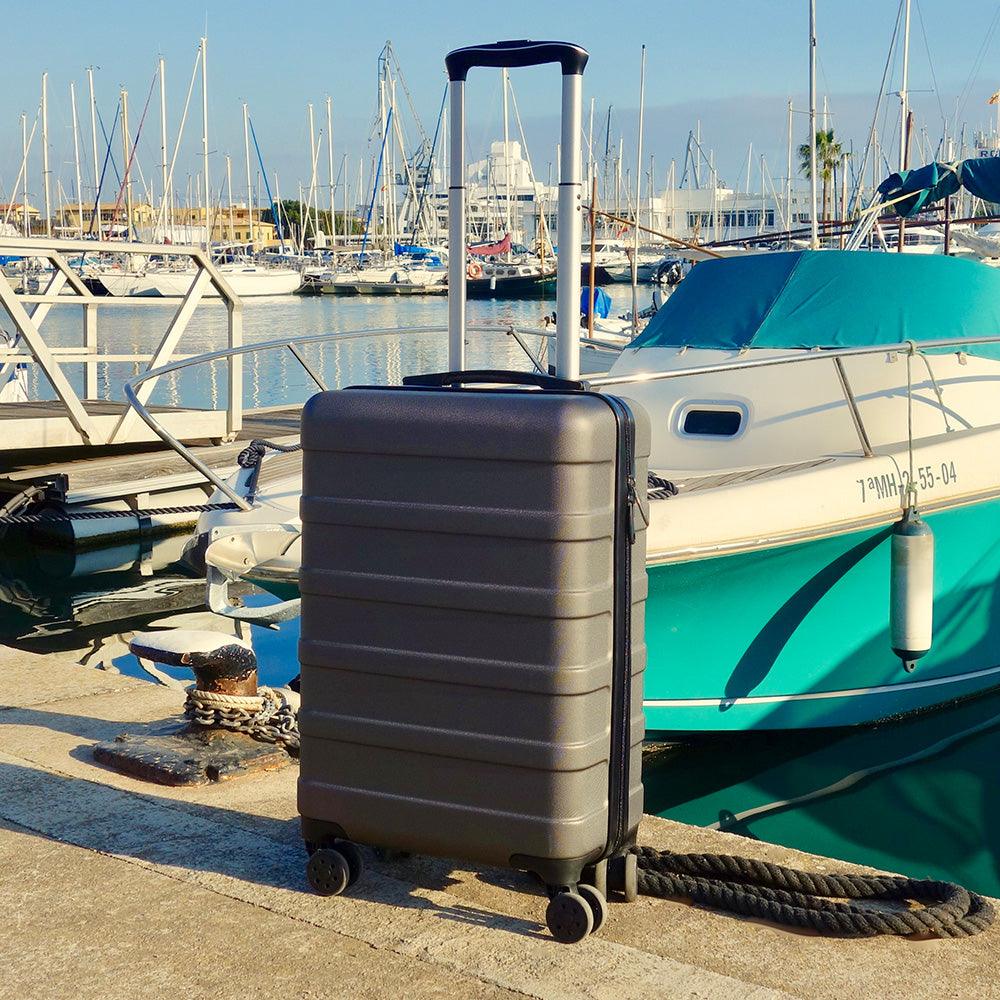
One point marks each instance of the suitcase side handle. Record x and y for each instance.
(494, 375)
(510, 55)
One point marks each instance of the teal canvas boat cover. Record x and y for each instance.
(911, 191)
(829, 299)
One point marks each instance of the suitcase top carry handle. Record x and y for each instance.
(569, 236)
(514, 54)
(494, 376)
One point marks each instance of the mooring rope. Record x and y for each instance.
(844, 905)
(44, 516)
(252, 454)
(658, 488)
(271, 715)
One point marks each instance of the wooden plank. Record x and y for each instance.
(158, 468)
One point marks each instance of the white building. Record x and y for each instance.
(699, 215)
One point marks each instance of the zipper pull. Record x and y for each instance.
(631, 499)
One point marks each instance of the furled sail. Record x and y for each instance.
(923, 187)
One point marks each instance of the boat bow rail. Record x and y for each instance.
(137, 397)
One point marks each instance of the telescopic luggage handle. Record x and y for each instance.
(494, 376)
(504, 55)
(515, 54)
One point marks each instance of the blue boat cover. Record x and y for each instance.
(829, 298)
(405, 249)
(602, 302)
(936, 181)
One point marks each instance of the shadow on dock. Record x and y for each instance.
(212, 842)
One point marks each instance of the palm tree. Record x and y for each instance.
(828, 153)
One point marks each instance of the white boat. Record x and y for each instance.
(392, 279)
(246, 280)
(120, 282)
(785, 482)
(802, 404)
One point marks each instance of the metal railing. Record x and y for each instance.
(65, 286)
(834, 356)
(137, 398)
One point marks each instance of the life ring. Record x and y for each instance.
(474, 270)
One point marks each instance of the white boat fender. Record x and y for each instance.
(911, 588)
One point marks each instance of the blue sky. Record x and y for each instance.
(733, 63)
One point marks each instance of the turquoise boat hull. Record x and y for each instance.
(797, 636)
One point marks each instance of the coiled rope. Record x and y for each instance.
(843, 905)
(270, 715)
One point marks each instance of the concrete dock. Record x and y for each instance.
(112, 888)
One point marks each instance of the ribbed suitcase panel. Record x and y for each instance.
(457, 630)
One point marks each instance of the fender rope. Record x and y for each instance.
(843, 905)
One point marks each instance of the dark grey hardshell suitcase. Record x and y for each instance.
(472, 650)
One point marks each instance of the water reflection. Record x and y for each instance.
(88, 604)
(920, 795)
(272, 378)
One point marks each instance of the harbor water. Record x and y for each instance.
(918, 795)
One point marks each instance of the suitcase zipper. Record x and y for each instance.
(626, 498)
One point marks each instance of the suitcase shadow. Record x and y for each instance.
(216, 841)
(421, 872)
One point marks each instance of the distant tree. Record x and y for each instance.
(294, 214)
(828, 153)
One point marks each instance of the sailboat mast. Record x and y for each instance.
(384, 193)
(127, 158)
(278, 213)
(606, 187)
(24, 168)
(246, 150)
(76, 157)
(45, 152)
(347, 188)
(229, 198)
(788, 173)
(312, 178)
(504, 83)
(590, 146)
(903, 95)
(204, 140)
(329, 157)
(93, 139)
(164, 194)
(813, 208)
(638, 195)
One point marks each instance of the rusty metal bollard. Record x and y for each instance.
(233, 726)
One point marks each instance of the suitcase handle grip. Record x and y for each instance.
(487, 375)
(509, 55)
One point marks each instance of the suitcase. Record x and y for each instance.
(472, 648)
